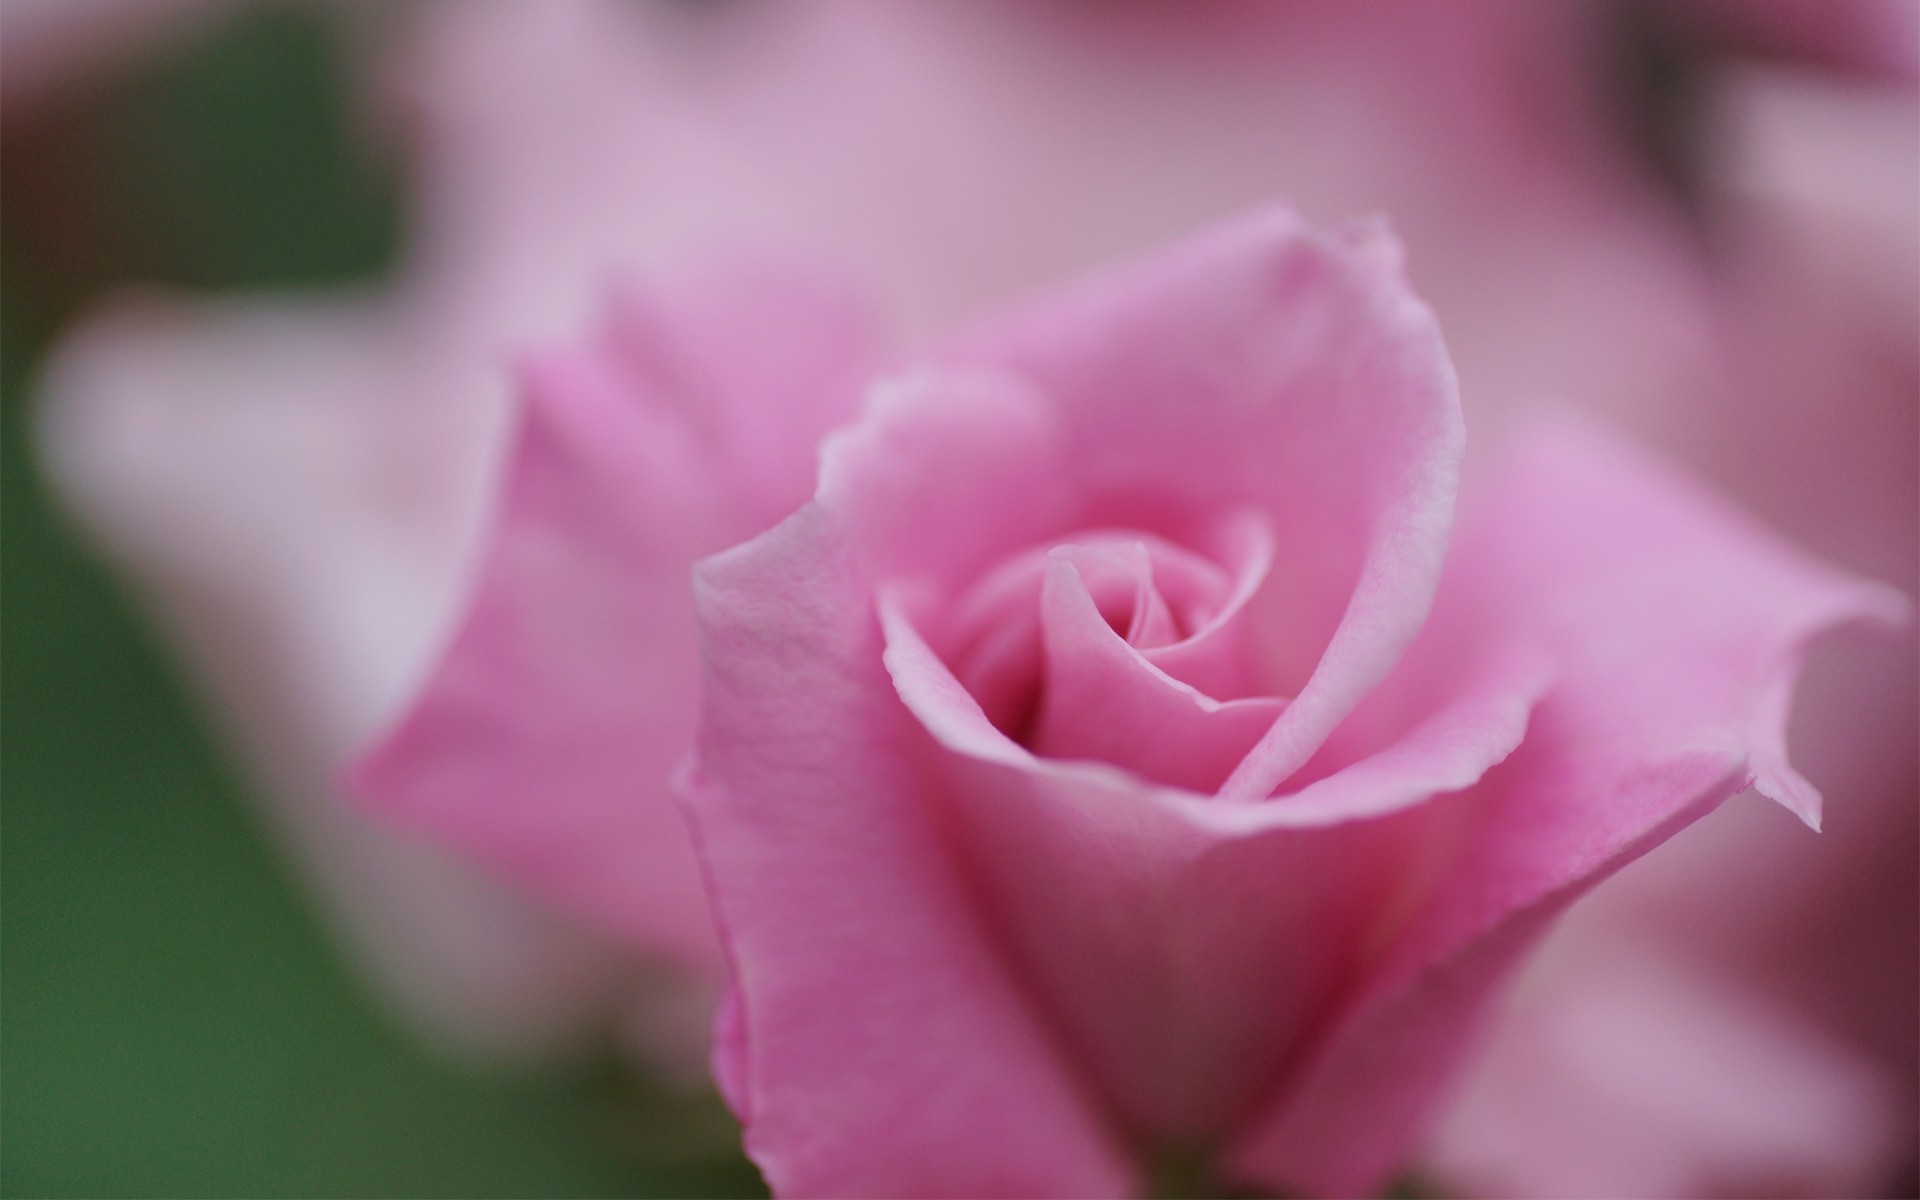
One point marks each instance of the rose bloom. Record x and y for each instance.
(1083, 786)
(314, 476)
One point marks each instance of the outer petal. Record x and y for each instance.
(876, 1045)
(546, 738)
(1266, 365)
(1677, 628)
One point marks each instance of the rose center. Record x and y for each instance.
(1114, 620)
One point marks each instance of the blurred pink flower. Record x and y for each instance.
(1689, 1033)
(46, 45)
(1868, 37)
(265, 470)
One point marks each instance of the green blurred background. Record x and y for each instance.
(172, 1020)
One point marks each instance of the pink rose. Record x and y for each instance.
(1084, 786)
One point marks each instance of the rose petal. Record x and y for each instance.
(1675, 626)
(948, 471)
(546, 738)
(879, 1047)
(1219, 658)
(1103, 701)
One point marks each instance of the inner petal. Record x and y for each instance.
(1150, 592)
(1123, 646)
(1219, 654)
(1119, 576)
(1101, 700)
